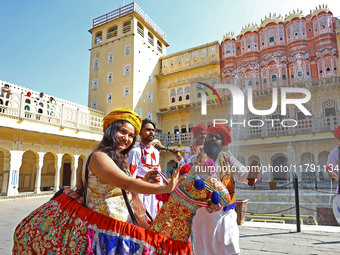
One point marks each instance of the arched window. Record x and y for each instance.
(140, 29)
(127, 26)
(180, 98)
(159, 46)
(187, 97)
(250, 83)
(187, 90)
(180, 91)
(173, 100)
(99, 37)
(173, 93)
(199, 94)
(150, 38)
(274, 78)
(112, 32)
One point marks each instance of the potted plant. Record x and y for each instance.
(272, 184)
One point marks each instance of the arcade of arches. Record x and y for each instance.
(44, 163)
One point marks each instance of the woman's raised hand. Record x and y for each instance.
(175, 180)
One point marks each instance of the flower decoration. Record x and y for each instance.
(162, 197)
(185, 169)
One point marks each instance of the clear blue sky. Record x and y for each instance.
(44, 44)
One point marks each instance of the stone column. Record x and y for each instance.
(13, 183)
(74, 171)
(57, 174)
(37, 189)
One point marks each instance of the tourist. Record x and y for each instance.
(64, 226)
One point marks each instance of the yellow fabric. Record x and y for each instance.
(123, 114)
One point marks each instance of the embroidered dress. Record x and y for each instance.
(142, 159)
(105, 198)
(175, 217)
(64, 226)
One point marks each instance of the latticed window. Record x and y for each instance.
(110, 58)
(127, 50)
(127, 26)
(212, 51)
(109, 77)
(98, 38)
(126, 91)
(329, 108)
(109, 98)
(140, 29)
(203, 53)
(195, 55)
(126, 70)
(159, 46)
(112, 32)
(150, 38)
(95, 84)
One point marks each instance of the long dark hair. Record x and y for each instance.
(110, 143)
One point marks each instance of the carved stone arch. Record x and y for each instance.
(279, 161)
(28, 171)
(66, 169)
(5, 161)
(48, 171)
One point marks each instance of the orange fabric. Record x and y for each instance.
(337, 132)
(123, 114)
(222, 130)
(199, 128)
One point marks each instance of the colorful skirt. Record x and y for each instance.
(64, 226)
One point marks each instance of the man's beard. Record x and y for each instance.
(149, 138)
(212, 148)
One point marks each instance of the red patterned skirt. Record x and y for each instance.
(64, 226)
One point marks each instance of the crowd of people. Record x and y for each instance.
(122, 190)
(43, 105)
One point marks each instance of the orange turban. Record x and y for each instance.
(337, 132)
(222, 130)
(123, 114)
(199, 128)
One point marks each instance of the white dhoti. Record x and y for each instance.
(215, 233)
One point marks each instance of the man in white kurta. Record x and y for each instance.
(218, 233)
(144, 158)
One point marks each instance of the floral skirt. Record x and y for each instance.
(64, 226)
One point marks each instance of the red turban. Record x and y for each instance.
(222, 130)
(337, 132)
(199, 128)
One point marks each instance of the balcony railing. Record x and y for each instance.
(306, 126)
(64, 115)
(125, 10)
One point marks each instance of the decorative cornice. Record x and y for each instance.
(249, 28)
(320, 9)
(271, 19)
(229, 36)
(295, 14)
